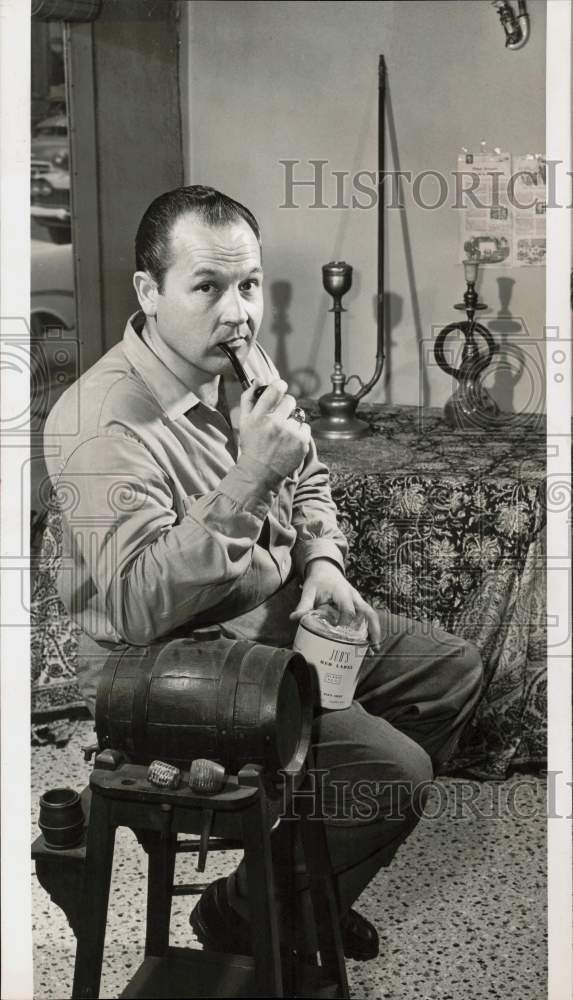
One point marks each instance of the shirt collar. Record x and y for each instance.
(174, 397)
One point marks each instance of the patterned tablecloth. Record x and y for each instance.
(446, 527)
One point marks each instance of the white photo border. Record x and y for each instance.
(16, 932)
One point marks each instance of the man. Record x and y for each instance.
(186, 501)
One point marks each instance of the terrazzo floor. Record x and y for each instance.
(461, 911)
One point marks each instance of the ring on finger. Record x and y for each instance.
(298, 414)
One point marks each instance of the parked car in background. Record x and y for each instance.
(50, 200)
(50, 178)
(50, 141)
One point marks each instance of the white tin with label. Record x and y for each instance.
(336, 652)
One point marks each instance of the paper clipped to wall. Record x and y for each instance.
(503, 205)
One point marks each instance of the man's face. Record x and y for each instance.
(212, 292)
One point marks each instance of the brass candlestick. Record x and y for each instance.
(337, 408)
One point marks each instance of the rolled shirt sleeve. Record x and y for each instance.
(314, 517)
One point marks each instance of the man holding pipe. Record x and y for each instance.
(194, 503)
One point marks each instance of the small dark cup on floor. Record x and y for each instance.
(61, 818)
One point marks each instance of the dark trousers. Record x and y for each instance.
(375, 760)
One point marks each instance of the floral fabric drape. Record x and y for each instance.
(448, 527)
(468, 557)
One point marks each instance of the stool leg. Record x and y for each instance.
(323, 894)
(97, 878)
(161, 870)
(256, 825)
(284, 868)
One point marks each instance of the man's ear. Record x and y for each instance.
(147, 291)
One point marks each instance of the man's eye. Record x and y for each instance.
(207, 286)
(248, 285)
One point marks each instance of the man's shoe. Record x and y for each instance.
(359, 937)
(218, 927)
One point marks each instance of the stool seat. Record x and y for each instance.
(243, 812)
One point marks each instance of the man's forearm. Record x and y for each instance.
(314, 518)
(153, 571)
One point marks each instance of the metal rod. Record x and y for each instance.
(337, 339)
(381, 169)
(380, 268)
(216, 844)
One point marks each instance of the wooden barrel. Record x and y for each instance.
(233, 701)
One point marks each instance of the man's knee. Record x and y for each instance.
(372, 787)
(412, 766)
(406, 788)
(456, 670)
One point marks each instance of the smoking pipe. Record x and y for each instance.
(297, 414)
(240, 371)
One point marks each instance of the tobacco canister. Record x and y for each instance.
(336, 652)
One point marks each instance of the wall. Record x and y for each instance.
(133, 77)
(263, 82)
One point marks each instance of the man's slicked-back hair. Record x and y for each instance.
(153, 239)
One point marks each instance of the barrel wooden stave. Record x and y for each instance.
(184, 699)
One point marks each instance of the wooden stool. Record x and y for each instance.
(124, 797)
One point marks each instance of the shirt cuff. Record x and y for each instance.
(252, 485)
(316, 548)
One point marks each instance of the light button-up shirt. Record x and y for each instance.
(163, 514)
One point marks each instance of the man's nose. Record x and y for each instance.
(234, 310)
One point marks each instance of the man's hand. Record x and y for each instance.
(268, 432)
(325, 584)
